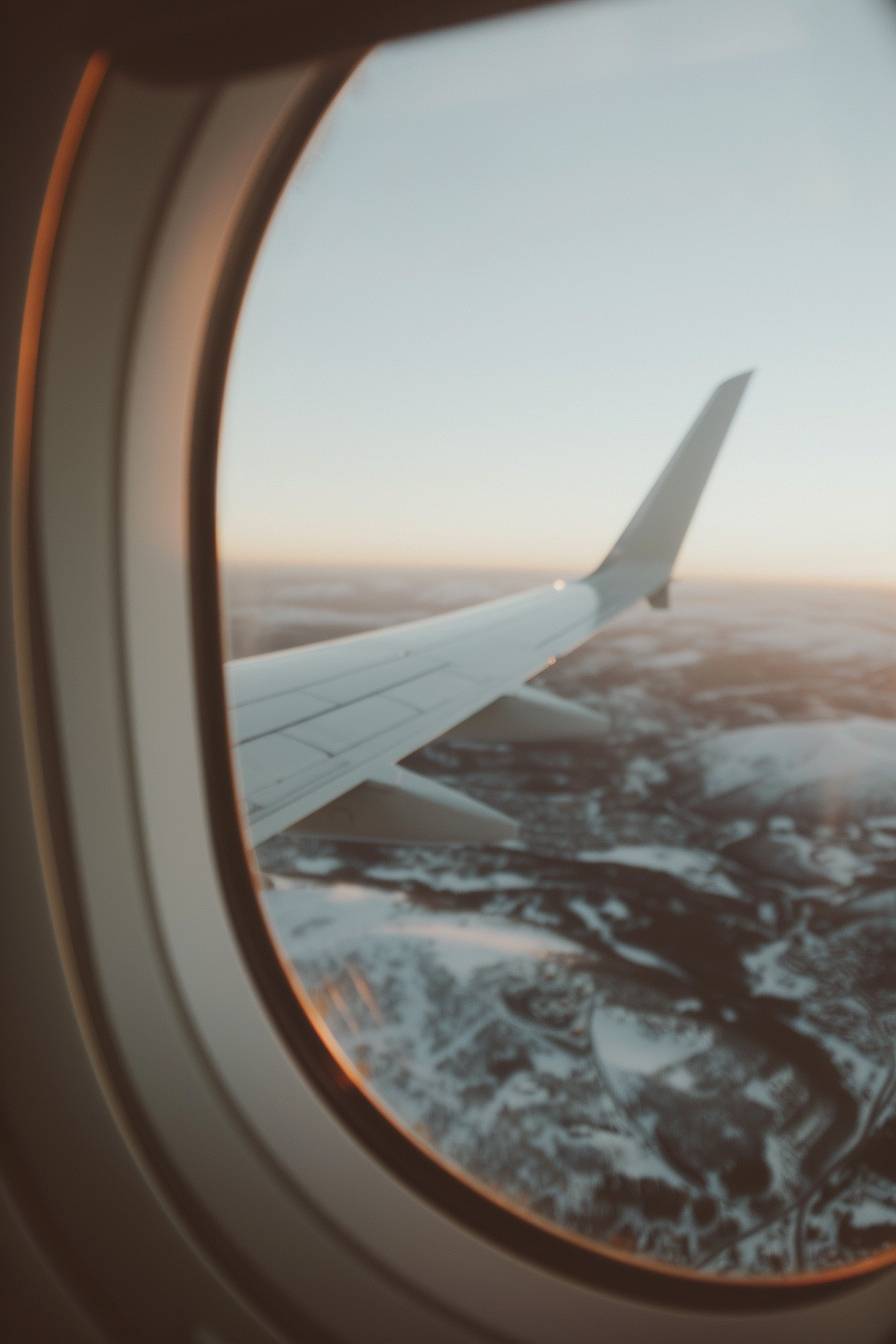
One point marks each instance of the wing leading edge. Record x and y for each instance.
(318, 731)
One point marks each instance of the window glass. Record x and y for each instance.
(514, 262)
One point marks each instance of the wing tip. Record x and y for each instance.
(737, 383)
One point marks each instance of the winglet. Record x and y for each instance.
(640, 563)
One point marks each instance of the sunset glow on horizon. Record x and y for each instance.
(519, 256)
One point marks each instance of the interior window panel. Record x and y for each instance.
(555, 522)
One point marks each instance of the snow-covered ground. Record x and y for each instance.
(666, 1018)
(813, 767)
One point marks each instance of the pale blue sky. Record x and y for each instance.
(519, 255)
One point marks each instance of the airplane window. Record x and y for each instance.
(595, 899)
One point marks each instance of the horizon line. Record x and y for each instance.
(260, 563)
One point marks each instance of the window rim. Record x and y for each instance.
(541, 1243)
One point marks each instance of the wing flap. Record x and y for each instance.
(352, 725)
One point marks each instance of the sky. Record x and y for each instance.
(517, 257)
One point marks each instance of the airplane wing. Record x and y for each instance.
(319, 731)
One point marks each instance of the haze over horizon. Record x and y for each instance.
(410, 567)
(475, 333)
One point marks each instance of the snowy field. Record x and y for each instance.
(666, 1017)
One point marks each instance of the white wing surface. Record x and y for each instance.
(319, 731)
